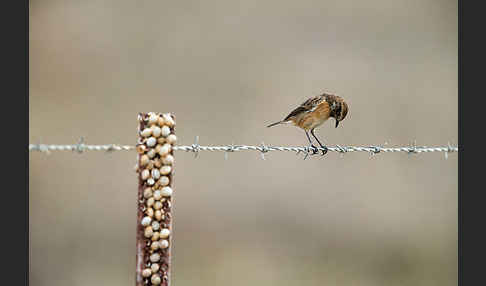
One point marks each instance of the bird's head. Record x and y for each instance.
(339, 110)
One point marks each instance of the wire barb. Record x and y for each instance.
(307, 149)
(449, 150)
(413, 148)
(230, 148)
(196, 147)
(263, 150)
(80, 146)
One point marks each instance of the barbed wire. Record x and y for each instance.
(196, 148)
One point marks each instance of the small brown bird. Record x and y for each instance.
(314, 112)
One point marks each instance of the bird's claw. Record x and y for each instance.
(314, 149)
(311, 150)
(324, 150)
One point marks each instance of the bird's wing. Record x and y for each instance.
(307, 106)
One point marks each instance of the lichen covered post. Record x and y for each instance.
(155, 198)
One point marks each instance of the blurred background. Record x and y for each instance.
(226, 69)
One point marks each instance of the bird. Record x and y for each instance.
(314, 112)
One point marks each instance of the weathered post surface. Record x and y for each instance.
(155, 198)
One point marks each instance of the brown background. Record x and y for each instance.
(226, 69)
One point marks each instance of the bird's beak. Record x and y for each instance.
(337, 123)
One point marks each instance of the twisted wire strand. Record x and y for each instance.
(196, 148)
(79, 147)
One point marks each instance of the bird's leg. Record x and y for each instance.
(324, 151)
(314, 148)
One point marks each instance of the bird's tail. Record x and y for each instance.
(276, 123)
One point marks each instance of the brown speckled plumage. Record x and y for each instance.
(315, 111)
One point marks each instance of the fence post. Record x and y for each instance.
(156, 139)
